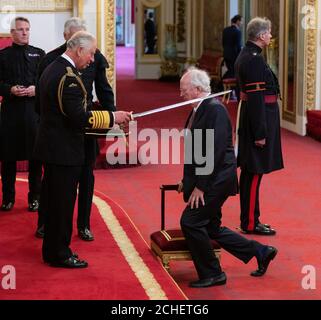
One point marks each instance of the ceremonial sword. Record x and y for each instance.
(177, 105)
(161, 109)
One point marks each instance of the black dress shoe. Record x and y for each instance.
(71, 262)
(209, 282)
(7, 206)
(48, 261)
(264, 225)
(85, 234)
(33, 206)
(264, 262)
(261, 230)
(40, 233)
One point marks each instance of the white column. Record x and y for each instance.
(129, 26)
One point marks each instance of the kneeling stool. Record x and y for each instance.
(171, 244)
(228, 84)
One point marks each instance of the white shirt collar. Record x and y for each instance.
(69, 59)
(195, 109)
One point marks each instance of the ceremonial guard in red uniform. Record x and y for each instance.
(259, 148)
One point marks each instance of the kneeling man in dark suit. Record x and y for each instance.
(208, 183)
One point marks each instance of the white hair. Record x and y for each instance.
(256, 27)
(74, 22)
(81, 39)
(199, 79)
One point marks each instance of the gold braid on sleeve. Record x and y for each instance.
(99, 120)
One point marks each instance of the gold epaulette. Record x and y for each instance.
(99, 119)
(70, 73)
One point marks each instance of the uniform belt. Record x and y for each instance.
(267, 98)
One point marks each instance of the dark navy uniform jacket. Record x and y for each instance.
(19, 121)
(95, 74)
(259, 118)
(64, 116)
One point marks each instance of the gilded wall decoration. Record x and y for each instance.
(151, 3)
(213, 24)
(290, 54)
(181, 12)
(311, 54)
(110, 43)
(38, 5)
(266, 8)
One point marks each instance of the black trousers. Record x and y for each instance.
(59, 192)
(86, 187)
(85, 196)
(202, 224)
(249, 199)
(8, 176)
(230, 73)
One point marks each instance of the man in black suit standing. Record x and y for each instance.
(150, 33)
(19, 121)
(60, 143)
(206, 186)
(93, 75)
(232, 44)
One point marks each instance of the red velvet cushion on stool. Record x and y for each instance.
(173, 240)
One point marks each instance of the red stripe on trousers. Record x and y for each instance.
(252, 202)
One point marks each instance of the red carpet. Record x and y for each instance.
(290, 202)
(141, 95)
(109, 275)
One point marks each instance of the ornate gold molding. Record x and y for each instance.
(311, 54)
(289, 86)
(151, 3)
(80, 8)
(38, 5)
(98, 23)
(110, 43)
(241, 7)
(181, 25)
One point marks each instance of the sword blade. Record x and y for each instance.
(177, 105)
